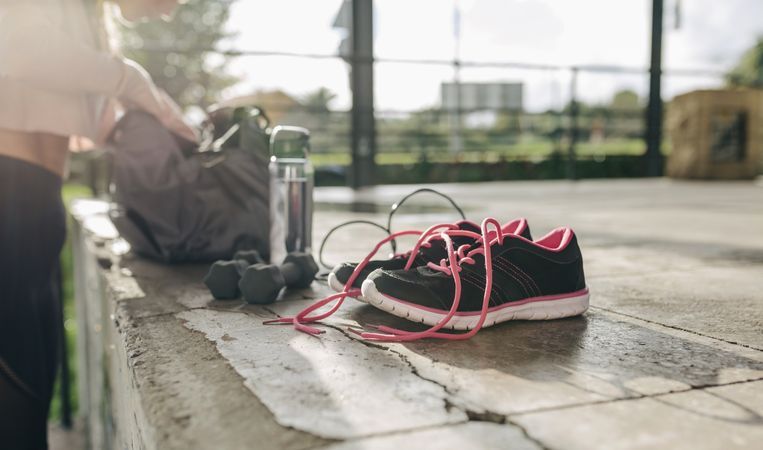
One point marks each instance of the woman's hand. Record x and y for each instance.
(137, 91)
(172, 118)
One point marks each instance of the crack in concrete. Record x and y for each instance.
(485, 416)
(473, 416)
(275, 314)
(414, 370)
(391, 433)
(194, 308)
(157, 315)
(677, 328)
(448, 403)
(227, 363)
(491, 416)
(526, 433)
(637, 396)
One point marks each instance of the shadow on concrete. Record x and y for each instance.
(626, 358)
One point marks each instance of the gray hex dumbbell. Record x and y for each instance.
(261, 283)
(251, 256)
(223, 276)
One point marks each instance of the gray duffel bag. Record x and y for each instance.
(176, 202)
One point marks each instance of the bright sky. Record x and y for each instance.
(713, 35)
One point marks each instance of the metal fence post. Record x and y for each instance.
(653, 154)
(574, 112)
(363, 140)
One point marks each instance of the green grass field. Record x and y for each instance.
(70, 192)
(524, 149)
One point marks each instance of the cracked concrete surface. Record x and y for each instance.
(722, 417)
(471, 435)
(194, 399)
(331, 387)
(669, 355)
(546, 366)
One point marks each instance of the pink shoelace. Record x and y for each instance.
(451, 266)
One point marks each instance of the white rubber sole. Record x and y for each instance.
(339, 287)
(555, 308)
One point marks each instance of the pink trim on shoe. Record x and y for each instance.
(542, 298)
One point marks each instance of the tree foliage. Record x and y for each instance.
(749, 70)
(319, 100)
(174, 51)
(625, 100)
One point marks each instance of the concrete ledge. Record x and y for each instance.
(672, 337)
(146, 381)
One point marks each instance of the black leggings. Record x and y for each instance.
(32, 233)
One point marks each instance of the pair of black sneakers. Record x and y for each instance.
(470, 276)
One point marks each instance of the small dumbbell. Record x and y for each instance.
(261, 283)
(250, 256)
(223, 276)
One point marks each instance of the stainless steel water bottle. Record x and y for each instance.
(291, 192)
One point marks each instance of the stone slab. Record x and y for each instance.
(191, 397)
(724, 417)
(723, 301)
(527, 365)
(333, 386)
(472, 435)
(508, 369)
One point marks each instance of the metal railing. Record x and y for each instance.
(425, 131)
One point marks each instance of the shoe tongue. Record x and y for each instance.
(468, 226)
(464, 225)
(436, 251)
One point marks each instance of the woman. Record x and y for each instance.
(59, 83)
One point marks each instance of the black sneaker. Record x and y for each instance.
(530, 280)
(432, 251)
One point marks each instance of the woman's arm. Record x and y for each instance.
(34, 50)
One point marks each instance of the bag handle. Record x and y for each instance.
(209, 144)
(216, 145)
